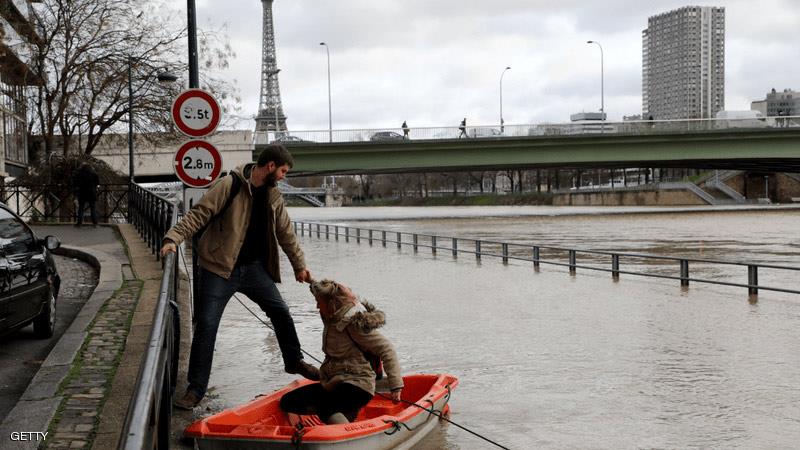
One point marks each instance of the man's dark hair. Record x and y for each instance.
(276, 153)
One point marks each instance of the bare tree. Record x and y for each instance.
(86, 51)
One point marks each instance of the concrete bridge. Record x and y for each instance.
(746, 144)
(763, 149)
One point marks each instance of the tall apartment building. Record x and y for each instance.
(17, 32)
(683, 63)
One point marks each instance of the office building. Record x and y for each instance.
(779, 103)
(683, 64)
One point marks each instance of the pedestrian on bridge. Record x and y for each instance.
(463, 128)
(245, 222)
(406, 130)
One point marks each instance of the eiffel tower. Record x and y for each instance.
(270, 111)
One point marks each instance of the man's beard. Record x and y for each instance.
(271, 179)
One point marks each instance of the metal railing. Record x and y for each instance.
(581, 128)
(665, 267)
(147, 424)
(56, 202)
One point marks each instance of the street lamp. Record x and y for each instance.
(194, 76)
(162, 77)
(502, 128)
(602, 100)
(330, 116)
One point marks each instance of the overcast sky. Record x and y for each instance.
(432, 62)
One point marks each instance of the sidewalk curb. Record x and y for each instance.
(39, 403)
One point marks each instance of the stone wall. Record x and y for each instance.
(787, 189)
(628, 198)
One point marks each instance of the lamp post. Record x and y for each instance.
(191, 24)
(602, 99)
(330, 116)
(502, 128)
(162, 77)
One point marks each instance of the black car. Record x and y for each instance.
(291, 140)
(382, 136)
(29, 281)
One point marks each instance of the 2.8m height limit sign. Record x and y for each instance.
(197, 163)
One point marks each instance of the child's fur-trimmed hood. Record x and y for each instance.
(364, 315)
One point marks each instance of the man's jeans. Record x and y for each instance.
(82, 203)
(253, 281)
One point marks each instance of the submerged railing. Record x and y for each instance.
(147, 425)
(674, 268)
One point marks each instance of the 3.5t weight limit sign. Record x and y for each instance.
(196, 113)
(197, 163)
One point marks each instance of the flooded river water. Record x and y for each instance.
(550, 360)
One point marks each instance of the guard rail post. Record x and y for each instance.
(433, 245)
(536, 257)
(478, 250)
(455, 247)
(615, 266)
(752, 279)
(572, 264)
(684, 272)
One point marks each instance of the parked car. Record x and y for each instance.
(29, 281)
(291, 140)
(382, 136)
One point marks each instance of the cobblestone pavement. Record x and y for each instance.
(21, 353)
(87, 386)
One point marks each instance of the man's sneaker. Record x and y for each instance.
(188, 401)
(305, 369)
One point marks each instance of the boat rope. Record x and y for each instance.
(268, 326)
(396, 427)
(183, 257)
(297, 436)
(398, 423)
(441, 416)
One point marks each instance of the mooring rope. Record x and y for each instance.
(441, 416)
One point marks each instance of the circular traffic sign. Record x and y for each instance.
(197, 163)
(196, 113)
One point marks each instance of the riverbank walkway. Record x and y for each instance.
(81, 392)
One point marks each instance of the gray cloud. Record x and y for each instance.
(433, 62)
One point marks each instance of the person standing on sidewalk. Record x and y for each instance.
(85, 183)
(238, 252)
(406, 130)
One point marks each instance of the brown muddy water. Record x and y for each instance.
(549, 360)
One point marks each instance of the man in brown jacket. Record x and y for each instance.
(238, 252)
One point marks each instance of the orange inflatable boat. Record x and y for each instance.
(382, 424)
